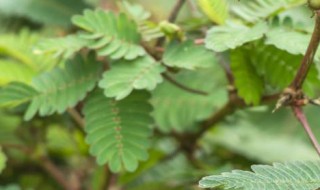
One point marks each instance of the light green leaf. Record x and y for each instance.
(56, 12)
(249, 84)
(110, 34)
(216, 10)
(16, 93)
(187, 55)
(65, 47)
(14, 71)
(232, 35)
(291, 175)
(118, 131)
(125, 76)
(3, 160)
(256, 10)
(10, 187)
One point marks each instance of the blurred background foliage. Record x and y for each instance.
(248, 136)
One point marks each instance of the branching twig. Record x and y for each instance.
(303, 120)
(309, 55)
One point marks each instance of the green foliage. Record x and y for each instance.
(278, 68)
(247, 81)
(233, 35)
(187, 55)
(216, 10)
(112, 35)
(117, 131)
(187, 109)
(256, 10)
(293, 175)
(57, 12)
(56, 90)
(125, 76)
(14, 71)
(3, 160)
(10, 187)
(64, 46)
(63, 88)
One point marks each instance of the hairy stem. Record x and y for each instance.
(309, 55)
(303, 120)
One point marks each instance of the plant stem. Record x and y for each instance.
(183, 87)
(303, 120)
(309, 55)
(76, 116)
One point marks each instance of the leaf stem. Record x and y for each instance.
(309, 55)
(183, 87)
(303, 120)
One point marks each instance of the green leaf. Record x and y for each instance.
(10, 187)
(216, 10)
(110, 34)
(291, 175)
(14, 71)
(56, 12)
(125, 76)
(3, 160)
(148, 29)
(187, 55)
(178, 110)
(16, 93)
(118, 131)
(19, 47)
(278, 67)
(256, 10)
(249, 84)
(63, 88)
(65, 47)
(232, 35)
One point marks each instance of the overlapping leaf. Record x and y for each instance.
(65, 46)
(56, 12)
(187, 109)
(291, 175)
(14, 71)
(60, 89)
(249, 84)
(216, 10)
(125, 76)
(231, 35)
(110, 34)
(56, 90)
(256, 10)
(118, 131)
(187, 55)
(278, 67)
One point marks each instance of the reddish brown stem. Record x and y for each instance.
(303, 120)
(309, 55)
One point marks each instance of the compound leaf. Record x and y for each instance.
(216, 10)
(125, 76)
(110, 34)
(291, 175)
(118, 131)
(231, 35)
(187, 55)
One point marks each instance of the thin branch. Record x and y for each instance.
(54, 171)
(303, 120)
(172, 18)
(183, 87)
(309, 55)
(76, 116)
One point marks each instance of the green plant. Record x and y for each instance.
(158, 102)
